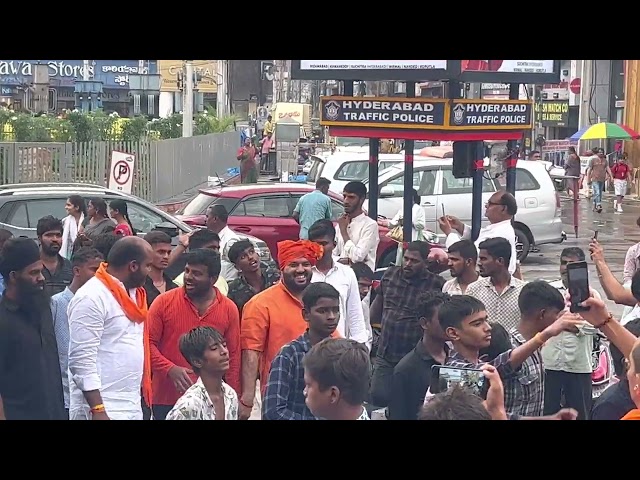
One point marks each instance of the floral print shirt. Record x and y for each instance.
(196, 404)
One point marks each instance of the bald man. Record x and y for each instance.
(108, 354)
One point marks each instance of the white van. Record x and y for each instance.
(537, 222)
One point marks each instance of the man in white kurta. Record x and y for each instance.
(106, 348)
(500, 210)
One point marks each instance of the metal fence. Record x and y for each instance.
(164, 169)
(181, 165)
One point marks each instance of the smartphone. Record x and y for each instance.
(443, 378)
(443, 214)
(595, 235)
(578, 277)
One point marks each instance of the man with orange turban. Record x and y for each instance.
(273, 317)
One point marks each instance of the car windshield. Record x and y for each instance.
(198, 204)
(352, 142)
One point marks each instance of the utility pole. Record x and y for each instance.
(187, 100)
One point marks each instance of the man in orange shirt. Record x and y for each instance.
(273, 317)
(176, 312)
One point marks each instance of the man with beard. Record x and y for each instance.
(57, 271)
(30, 380)
(395, 309)
(358, 237)
(274, 318)
(175, 313)
(463, 256)
(108, 344)
(158, 281)
(85, 262)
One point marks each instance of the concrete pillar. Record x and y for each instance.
(632, 107)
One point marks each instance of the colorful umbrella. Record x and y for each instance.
(605, 130)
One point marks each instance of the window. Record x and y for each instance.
(143, 219)
(358, 171)
(453, 186)
(525, 181)
(19, 217)
(41, 208)
(273, 207)
(199, 204)
(423, 180)
(337, 209)
(317, 166)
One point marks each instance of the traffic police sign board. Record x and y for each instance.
(121, 171)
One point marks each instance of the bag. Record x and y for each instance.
(395, 234)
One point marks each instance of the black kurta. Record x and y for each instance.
(30, 378)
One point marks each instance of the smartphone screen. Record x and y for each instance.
(595, 235)
(447, 377)
(578, 276)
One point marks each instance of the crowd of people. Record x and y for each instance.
(99, 323)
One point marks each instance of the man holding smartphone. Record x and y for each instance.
(567, 357)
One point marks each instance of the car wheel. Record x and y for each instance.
(388, 258)
(522, 245)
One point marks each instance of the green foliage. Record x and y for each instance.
(75, 126)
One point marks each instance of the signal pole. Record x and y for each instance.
(187, 100)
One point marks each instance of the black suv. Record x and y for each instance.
(22, 204)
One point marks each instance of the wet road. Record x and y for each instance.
(616, 231)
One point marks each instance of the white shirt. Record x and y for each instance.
(227, 238)
(363, 241)
(419, 220)
(106, 353)
(502, 229)
(452, 287)
(366, 308)
(351, 324)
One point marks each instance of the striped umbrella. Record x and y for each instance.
(603, 131)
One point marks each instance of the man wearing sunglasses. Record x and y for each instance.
(500, 210)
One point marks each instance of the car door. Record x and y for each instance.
(266, 216)
(424, 181)
(456, 196)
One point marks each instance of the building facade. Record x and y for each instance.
(205, 85)
(16, 81)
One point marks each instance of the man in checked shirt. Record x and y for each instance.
(395, 309)
(284, 397)
(464, 320)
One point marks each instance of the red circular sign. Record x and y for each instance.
(575, 85)
(121, 172)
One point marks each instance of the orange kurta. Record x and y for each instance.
(632, 415)
(270, 320)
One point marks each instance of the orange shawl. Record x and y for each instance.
(136, 312)
(632, 415)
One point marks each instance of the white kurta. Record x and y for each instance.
(106, 353)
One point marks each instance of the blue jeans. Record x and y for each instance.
(597, 187)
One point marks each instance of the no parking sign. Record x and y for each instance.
(121, 171)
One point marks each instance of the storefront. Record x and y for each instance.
(17, 75)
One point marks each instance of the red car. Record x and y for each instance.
(264, 211)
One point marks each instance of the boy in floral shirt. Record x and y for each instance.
(210, 398)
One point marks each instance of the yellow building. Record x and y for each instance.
(206, 88)
(632, 107)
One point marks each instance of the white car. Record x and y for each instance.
(538, 219)
(344, 167)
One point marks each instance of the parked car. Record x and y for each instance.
(266, 212)
(344, 167)
(21, 205)
(538, 219)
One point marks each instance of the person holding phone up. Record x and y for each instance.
(500, 210)
(465, 321)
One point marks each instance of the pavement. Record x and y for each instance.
(616, 232)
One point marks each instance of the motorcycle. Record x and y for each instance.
(602, 375)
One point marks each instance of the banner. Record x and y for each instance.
(553, 113)
(426, 114)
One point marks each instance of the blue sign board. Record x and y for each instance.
(63, 73)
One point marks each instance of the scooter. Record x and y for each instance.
(602, 375)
